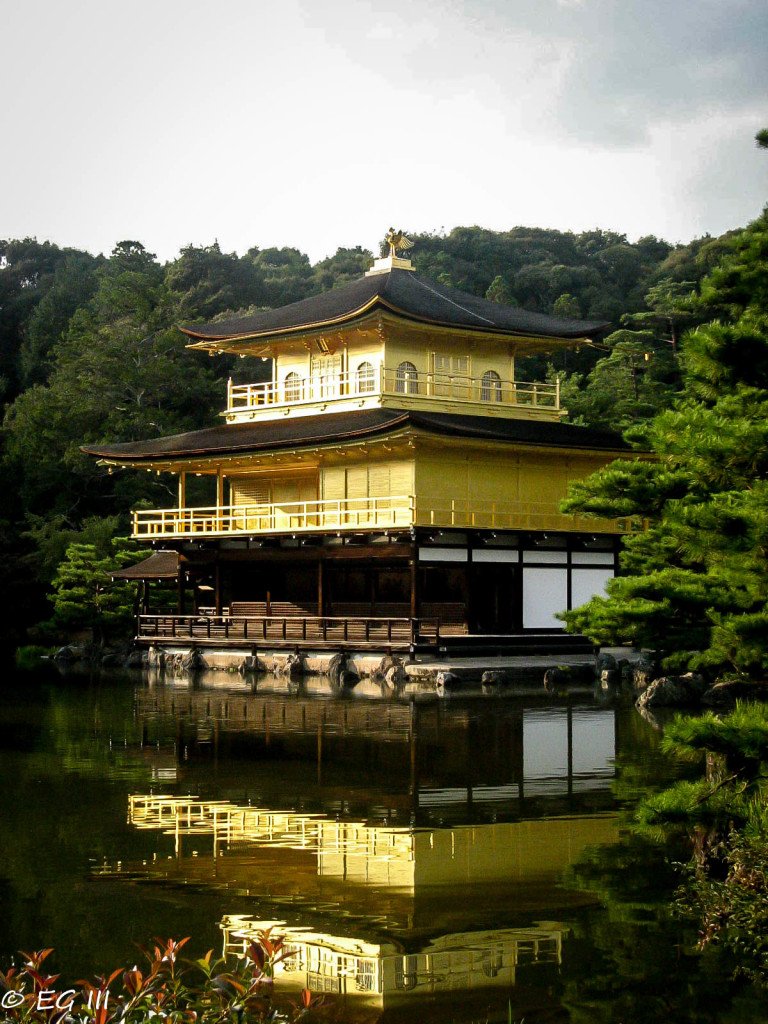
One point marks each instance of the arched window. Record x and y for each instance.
(406, 379)
(292, 387)
(490, 387)
(366, 377)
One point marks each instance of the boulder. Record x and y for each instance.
(447, 683)
(673, 692)
(252, 665)
(605, 661)
(292, 667)
(192, 661)
(336, 666)
(395, 676)
(156, 658)
(644, 673)
(138, 658)
(388, 662)
(348, 678)
(494, 681)
(627, 670)
(726, 693)
(610, 677)
(557, 680)
(68, 655)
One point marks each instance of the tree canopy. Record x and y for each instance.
(696, 587)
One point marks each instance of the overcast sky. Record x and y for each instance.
(320, 123)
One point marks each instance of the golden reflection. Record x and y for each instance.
(384, 972)
(356, 852)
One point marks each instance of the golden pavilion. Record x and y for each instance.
(393, 486)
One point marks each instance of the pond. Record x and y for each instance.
(441, 861)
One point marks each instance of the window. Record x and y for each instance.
(490, 387)
(366, 377)
(406, 379)
(292, 387)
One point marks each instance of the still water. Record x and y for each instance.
(425, 861)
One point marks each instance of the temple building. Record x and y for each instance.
(393, 484)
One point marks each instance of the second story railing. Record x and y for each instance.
(365, 514)
(488, 390)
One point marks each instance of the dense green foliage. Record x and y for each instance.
(696, 587)
(725, 814)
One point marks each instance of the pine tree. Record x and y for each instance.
(696, 583)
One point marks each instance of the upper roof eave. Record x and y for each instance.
(404, 294)
(243, 440)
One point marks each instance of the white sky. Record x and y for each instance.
(318, 124)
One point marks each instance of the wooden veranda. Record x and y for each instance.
(354, 633)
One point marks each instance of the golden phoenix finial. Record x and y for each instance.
(397, 240)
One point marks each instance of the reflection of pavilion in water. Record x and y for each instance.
(421, 763)
(383, 915)
(408, 852)
(381, 972)
(353, 851)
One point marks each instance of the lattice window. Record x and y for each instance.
(292, 387)
(249, 490)
(366, 377)
(407, 379)
(490, 387)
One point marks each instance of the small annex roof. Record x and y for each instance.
(233, 439)
(401, 292)
(161, 565)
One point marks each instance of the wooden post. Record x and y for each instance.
(182, 489)
(415, 596)
(219, 495)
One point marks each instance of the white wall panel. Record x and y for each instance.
(545, 592)
(585, 583)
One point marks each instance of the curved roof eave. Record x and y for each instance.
(404, 294)
(236, 440)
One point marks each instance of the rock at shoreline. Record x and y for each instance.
(726, 694)
(494, 681)
(643, 674)
(605, 662)
(673, 692)
(293, 667)
(252, 665)
(559, 679)
(447, 683)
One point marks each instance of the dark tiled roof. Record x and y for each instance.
(233, 438)
(406, 293)
(242, 438)
(159, 566)
(561, 435)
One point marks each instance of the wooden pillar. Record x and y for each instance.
(182, 489)
(415, 594)
(320, 595)
(220, 488)
(471, 584)
(217, 586)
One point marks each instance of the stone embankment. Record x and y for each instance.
(630, 674)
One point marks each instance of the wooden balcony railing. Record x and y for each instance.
(366, 514)
(291, 631)
(287, 517)
(486, 391)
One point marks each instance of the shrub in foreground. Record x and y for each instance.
(203, 991)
